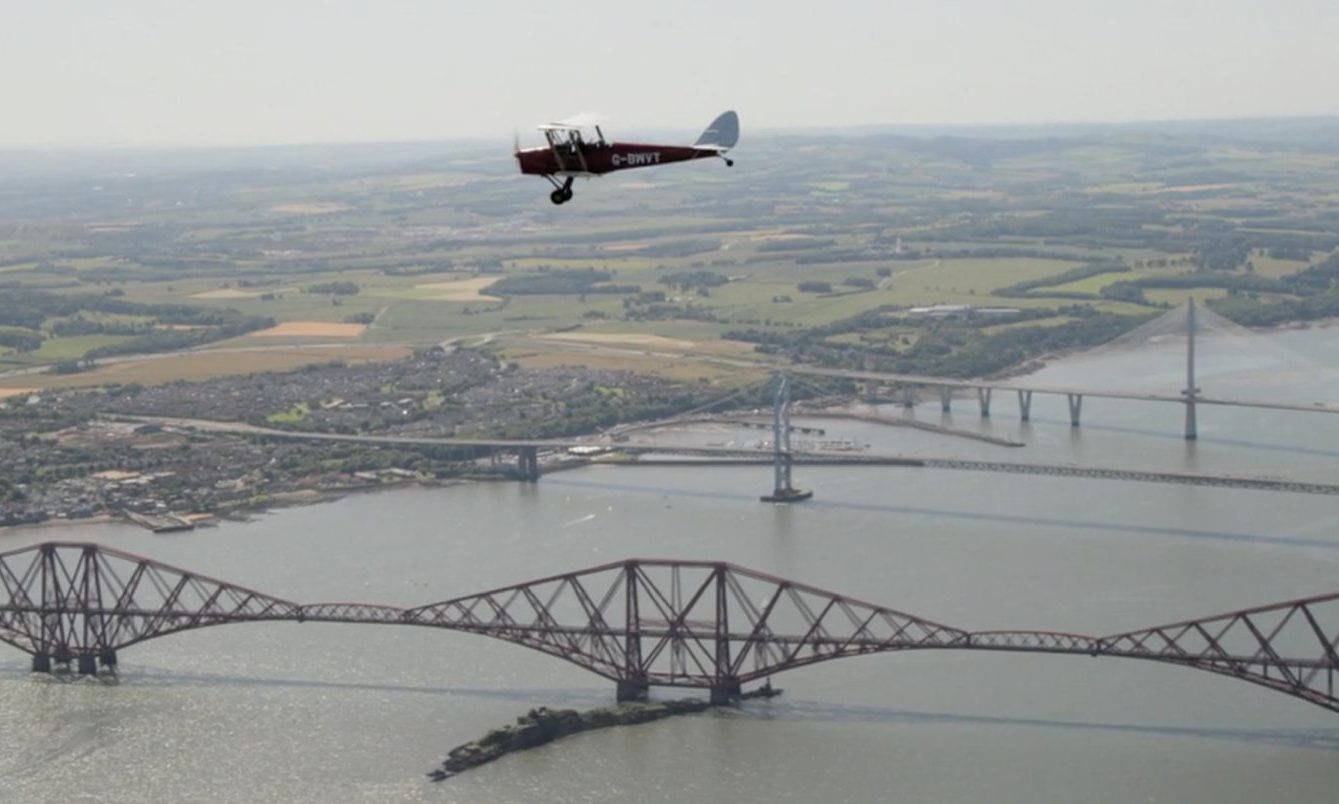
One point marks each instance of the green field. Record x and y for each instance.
(72, 347)
(1092, 284)
(926, 220)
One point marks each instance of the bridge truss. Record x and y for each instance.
(639, 623)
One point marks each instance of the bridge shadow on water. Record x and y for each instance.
(1204, 438)
(1068, 524)
(780, 710)
(17, 672)
(819, 712)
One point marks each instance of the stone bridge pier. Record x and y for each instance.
(527, 463)
(85, 664)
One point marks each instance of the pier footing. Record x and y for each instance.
(632, 691)
(786, 496)
(725, 694)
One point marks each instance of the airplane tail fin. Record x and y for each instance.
(721, 135)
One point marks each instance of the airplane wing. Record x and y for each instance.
(575, 122)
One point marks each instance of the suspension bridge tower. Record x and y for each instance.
(783, 491)
(1190, 391)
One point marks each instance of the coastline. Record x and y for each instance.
(246, 512)
(1034, 364)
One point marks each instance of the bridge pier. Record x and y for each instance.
(41, 663)
(527, 463)
(945, 398)
(632, 691)
(726, 693)
(86, 665)
(1075, 406)
(1025, 405)
(983, 396)
(107, 659)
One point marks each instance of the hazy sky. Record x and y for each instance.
(186, 72)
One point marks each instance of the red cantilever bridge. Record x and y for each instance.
(639, 623)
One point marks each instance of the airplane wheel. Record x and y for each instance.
(729, 163)
(558, 196)
(567, 194)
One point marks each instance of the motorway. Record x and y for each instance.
(929, 381)
(942, 382)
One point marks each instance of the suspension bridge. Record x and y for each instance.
(638, 623)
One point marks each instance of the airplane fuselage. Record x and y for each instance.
(596, 159)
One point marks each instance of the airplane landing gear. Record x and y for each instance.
(729, 162)
(561, 195)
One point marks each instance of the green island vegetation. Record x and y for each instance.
(822, 248)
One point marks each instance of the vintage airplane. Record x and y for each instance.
(569, 154)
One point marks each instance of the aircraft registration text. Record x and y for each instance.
(635, 160)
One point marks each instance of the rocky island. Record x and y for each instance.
(543, 725)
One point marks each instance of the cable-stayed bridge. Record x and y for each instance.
(1183, 323)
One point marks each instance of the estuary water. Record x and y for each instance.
(337, 713)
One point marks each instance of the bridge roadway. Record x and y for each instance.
(979, 385)
(943, 382)
(637, 622)
(726, 455)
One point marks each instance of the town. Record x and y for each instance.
(68, 456)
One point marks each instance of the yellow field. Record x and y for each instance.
(668, 366)
(1192, 188)
(224, 293)
(196, 366)
(312, 329)
(233, 293)
(778, 235)
(317, 208)
(659, 342)
(462, 290)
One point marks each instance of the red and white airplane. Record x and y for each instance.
(569, 154)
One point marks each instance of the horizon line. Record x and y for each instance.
(769, 130)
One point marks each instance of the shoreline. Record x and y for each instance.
(1035, 364)
(245, 513)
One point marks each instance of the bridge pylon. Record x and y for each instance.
(782, 490)
(1190, 392)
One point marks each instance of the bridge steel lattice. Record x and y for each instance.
(638, 623)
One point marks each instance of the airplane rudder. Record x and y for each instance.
(723, 132)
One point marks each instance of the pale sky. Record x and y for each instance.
(201, 72)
